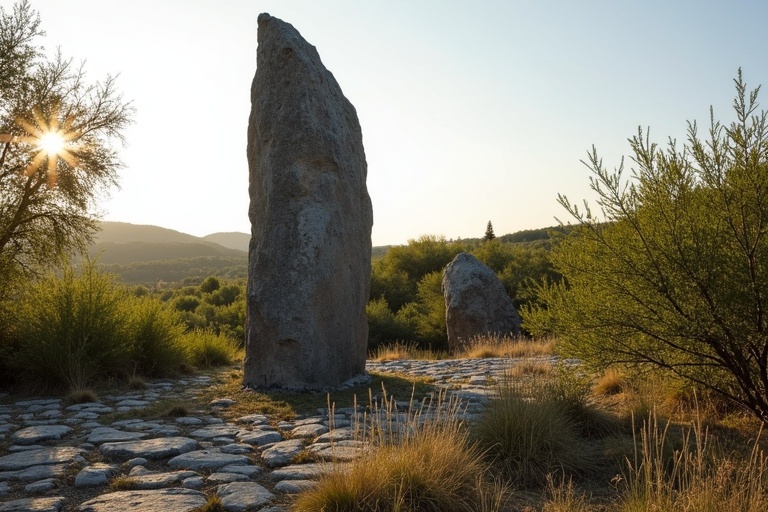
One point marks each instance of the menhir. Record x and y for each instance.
(311, 217)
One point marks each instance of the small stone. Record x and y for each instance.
(294, 486)
(5, 489)
(136, 461)
(253, 419)
(260, 438)
(34, 473)
(236, 448)
(241, 496)
(195, 482)
(225, 478)
(309, 430)
(189, 420)
(222, 403)
(280, 454)
(301, 471)
(97, 474)
(249, 471)
(160, 480)
(40, 486)
(213, 431)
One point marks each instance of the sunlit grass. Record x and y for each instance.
(491, 345)
(419, 460)
(404, 350)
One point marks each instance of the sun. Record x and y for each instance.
(52, 143)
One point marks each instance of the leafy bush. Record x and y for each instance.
(205, 349)
(73, 329)
(155, 330)
(672, 276)
(384, 326)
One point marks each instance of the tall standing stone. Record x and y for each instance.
(476, 302)
(311, 218)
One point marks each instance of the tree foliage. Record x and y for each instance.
(47, 195)
(674, 275)
(489, 234)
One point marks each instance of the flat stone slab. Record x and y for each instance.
(261, 437)
(215, 431)
(294, 486)
(53, 504)
(176, 499)
(309, 430)
(343, 451)
(207, 459)
(309, 471)
(35, 473)
(280, 454)
(160, 480)
(241, 496)
(112, 435)
(152, 449)
(38, 433)
(41, 457)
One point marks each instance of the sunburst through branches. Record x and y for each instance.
(51, 141)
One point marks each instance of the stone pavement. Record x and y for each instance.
(64, 458)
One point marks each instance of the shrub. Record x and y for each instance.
(155, 330)
(73, 329)
(383, 325)
(205, 349)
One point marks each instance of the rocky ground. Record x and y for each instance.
(55, 457)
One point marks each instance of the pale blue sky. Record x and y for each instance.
(471, 111)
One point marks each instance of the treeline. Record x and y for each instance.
(406, 283)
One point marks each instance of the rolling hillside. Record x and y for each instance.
(141, 254)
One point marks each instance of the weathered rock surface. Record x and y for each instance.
(475, 302)
(149, 449)
(311, 219)
(178, 500)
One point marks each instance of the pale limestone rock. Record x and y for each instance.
(475, 302)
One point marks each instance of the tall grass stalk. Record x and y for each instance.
(419, 458)
(695, 477)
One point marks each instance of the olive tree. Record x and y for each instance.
(57, 146)
(673, 272)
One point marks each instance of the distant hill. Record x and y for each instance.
(148, 254)
(232, 240)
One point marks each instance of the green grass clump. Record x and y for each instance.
(205, 349)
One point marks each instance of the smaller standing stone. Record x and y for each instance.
(475, 302)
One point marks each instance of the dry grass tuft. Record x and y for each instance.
(611, 382)
(137, 383)
(123, 483)
(423, 460)
(531, 368)
(403, 350)
(81, 396)
(490, 345)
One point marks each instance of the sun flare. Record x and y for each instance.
(52, 143)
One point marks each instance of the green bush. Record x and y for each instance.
(205, 348)
(384, 326)
(155, 330)
(72, 329)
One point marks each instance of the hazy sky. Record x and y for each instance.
(470, 111)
